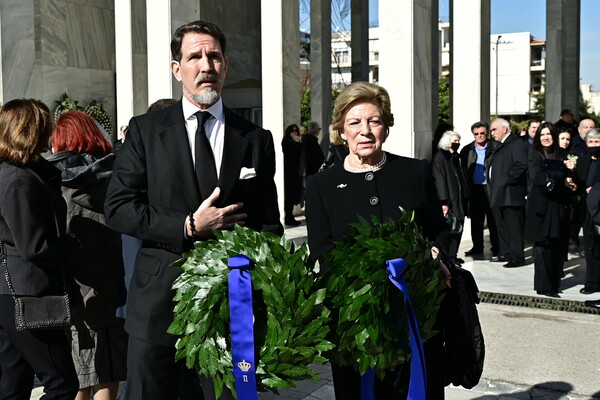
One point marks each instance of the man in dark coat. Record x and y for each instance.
(507, 177)
(588, 173)
(184, 171)
(475, 160)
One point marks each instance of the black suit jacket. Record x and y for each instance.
(507, 175)
(154, 188)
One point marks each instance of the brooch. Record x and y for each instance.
(341, 186)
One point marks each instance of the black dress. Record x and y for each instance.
(546, 218)
(335, 199)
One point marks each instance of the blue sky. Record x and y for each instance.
(510, 16)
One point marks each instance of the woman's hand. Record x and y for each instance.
(570, 184)
(445, 271)
(570, 165)
(445, 210)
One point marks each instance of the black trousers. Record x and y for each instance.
(480, 210)
(548, 265)
(153, 373)
(510, 225)
(47, 354)
(592, 259)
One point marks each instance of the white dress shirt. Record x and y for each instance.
(214, 127)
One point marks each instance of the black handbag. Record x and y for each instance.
(39, 312)
(455, 225)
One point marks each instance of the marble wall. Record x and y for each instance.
(50, 47)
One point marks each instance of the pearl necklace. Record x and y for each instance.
(370, 168)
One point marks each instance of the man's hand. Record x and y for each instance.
(208, 217)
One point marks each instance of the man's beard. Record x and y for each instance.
(208, 96)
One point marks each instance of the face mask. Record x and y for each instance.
(594, 151)
(455, 146)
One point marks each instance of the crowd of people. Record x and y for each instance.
(528, 188)
(102, 225)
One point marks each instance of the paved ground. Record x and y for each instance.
(530, 353)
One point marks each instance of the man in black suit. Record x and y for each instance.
(475, 159)
(507, 177)
(588, 173)
(184, 171)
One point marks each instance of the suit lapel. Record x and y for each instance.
(234, 149)
(177, 151)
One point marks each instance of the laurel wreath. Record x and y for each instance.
(371, 330)
(291, 321)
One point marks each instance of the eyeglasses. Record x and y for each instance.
(479, 133)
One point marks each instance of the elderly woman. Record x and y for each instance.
(588, 172)
(369, 182)
(451, 187)
(36, 251)
(98, 339)
(547, 203)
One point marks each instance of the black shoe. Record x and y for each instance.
(585, 290)
(551, 294)
(292, 222)
(474, 252)
(460, 261)
(498, 259)
(592, 303)
(514, 264)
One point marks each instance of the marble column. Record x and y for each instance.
(407, 71)
(158, 20)
(124, 62)
(360, 40)
(469, 64)
(562, 57)
(320, 65)
(280, 73)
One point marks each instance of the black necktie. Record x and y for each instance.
(206, 171)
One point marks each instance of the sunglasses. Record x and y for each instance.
(479, 133)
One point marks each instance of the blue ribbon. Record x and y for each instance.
(417, 388)
(367, 385)
(242, 327)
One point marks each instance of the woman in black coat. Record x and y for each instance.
(292, 172)
(32, 229)
(98, 339)
(547, 202)
(371, 182)
(451, 188)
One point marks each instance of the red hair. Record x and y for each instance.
(77, 131)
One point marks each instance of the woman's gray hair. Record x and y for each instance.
(445, 140)
(592, 134)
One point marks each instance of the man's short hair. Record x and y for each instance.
(197, 27)
(480, 124)
(533, 121)
(161, 103)
(313, 127)
(565, 112)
